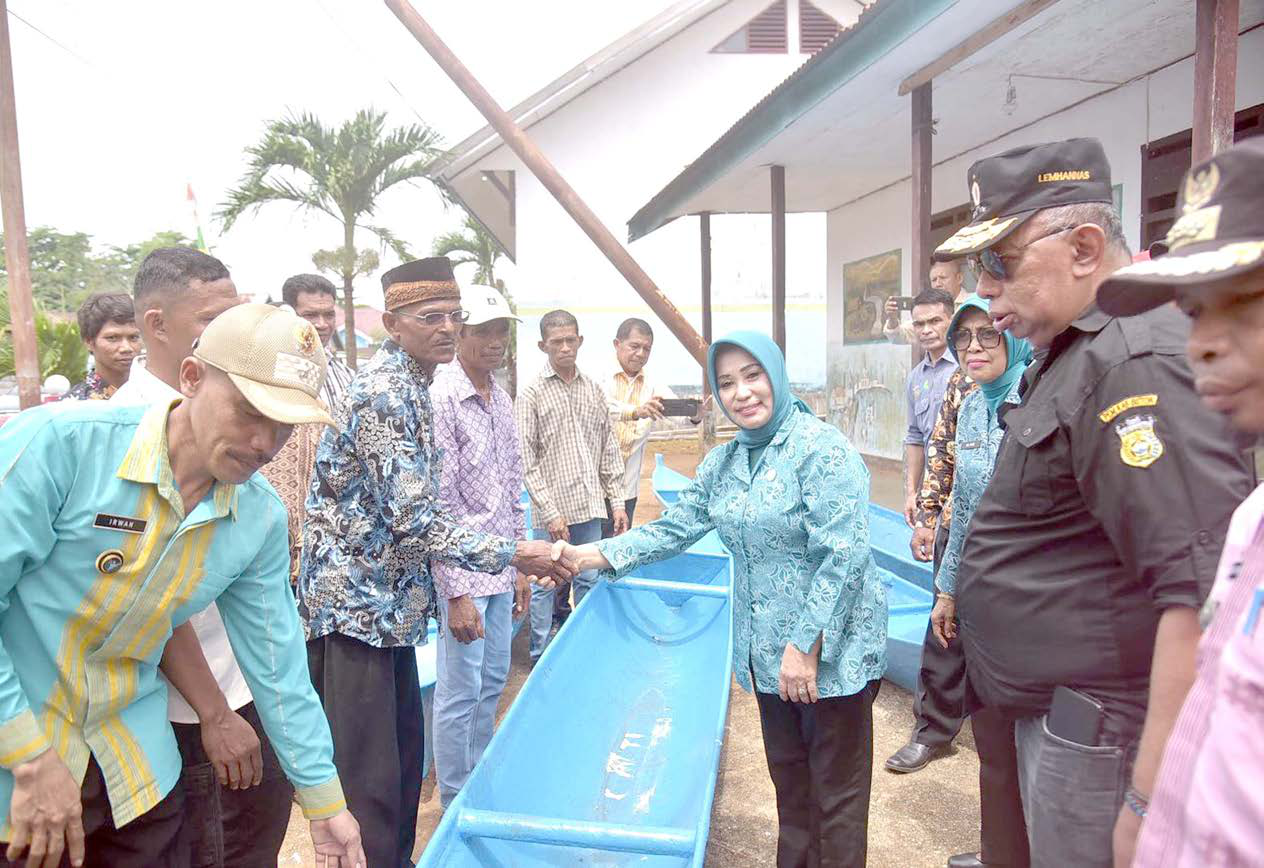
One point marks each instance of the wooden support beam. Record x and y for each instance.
(706, 430)
(778, 178)
(17, 258)
(922, 129)
(1215, 74)
(535, 160)
(1021, 13)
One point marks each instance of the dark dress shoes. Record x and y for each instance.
(966, 860)
(913, 757)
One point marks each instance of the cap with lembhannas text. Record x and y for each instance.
(273, 357)
(1012, 186)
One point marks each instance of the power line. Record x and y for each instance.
(63, 47)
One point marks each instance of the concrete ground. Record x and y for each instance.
(915, 821)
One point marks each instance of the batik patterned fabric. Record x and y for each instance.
(374, 520)
(978, 439)
(798, 529)
(481, 483)
(290, 473)
(91, 389)
(934, 501)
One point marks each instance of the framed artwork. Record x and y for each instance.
(867, 284)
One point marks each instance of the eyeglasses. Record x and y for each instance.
(439, 317)
(988, 337)
(994, 263)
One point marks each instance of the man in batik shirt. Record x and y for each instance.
(374, 522)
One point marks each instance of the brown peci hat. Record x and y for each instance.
(273, 357)
(1219, 235)
(1010, 187)
(420, 280)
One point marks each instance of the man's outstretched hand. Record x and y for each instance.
(535, 558)
(337, 842)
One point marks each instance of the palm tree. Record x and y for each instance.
(471, 244)
(474, 245)
(340, 173)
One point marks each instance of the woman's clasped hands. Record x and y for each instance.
(797, 680)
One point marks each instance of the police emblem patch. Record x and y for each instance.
(110, 561)
(1139, 445)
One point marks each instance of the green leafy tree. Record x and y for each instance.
(338, 172)
(474, 245)
(127, 259)
(57, 343)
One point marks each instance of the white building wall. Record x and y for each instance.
(618, 143)
(866, 383)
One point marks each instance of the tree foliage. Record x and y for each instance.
(341, 173)
(57, 343)
(66, 268)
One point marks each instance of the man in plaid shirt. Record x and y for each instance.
(570, 457)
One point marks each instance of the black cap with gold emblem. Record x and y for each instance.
(1010, 187)
(1219, 234)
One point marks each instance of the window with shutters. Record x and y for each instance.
(766, 33)
(816, 29)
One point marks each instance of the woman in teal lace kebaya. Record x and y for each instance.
(790, 499)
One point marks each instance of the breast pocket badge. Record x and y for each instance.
(1139, 445)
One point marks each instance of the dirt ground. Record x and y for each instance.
(915, 821)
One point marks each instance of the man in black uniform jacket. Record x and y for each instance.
(1098, 536)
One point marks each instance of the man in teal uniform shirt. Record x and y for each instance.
(117, 523)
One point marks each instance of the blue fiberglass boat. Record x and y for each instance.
(608, 755)
(909, 583)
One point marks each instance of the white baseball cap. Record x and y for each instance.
(484, 304)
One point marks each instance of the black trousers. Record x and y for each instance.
(373, 702)
(820, 757)
(1004, 832)
(235, 828)
(939, 700)
(156, 837)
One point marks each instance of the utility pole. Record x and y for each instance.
(514, 137)
(17, 260)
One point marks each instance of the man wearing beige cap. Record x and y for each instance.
(375, 522)
(117, 522)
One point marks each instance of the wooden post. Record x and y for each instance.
(706, 430)
(1215, 73)
(513, 136)
(920, 183)
(17, 260)
(778, 176)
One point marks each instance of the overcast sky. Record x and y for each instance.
(121, 104)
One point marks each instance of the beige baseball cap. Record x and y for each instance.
(273, 356)
(484, 304)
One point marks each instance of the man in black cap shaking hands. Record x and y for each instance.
(1097, 538)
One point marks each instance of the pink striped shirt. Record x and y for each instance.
(1207, 810)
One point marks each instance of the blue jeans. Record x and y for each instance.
(1072, 794)
(542, 601)
(471, 678)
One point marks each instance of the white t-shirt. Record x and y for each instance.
(143, 387)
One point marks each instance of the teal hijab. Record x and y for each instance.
(785, 404)
(1017, 355)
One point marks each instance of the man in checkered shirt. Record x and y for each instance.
(572, 461)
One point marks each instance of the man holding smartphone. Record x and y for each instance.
(1093, 546)
(1205, 807)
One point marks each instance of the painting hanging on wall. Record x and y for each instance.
(867, 284)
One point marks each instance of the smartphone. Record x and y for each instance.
(1075, 716)
(904, 302)
(680, 406)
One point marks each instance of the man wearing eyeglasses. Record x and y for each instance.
(1096, 540)
(374, 523)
